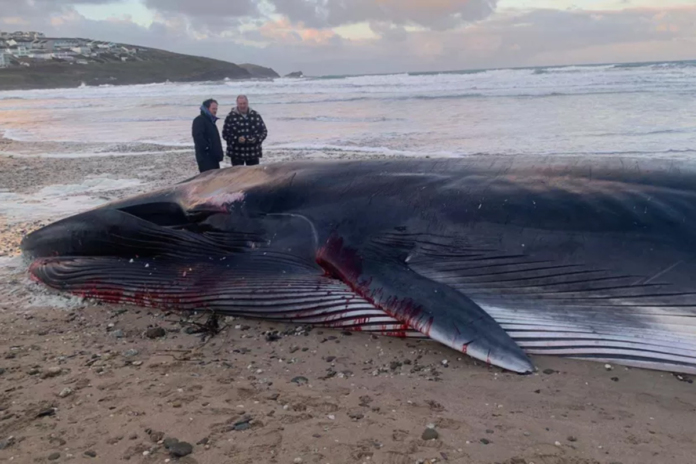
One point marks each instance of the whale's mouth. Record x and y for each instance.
(157, 255)
(258, 290)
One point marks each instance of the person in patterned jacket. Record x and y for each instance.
(244, 132)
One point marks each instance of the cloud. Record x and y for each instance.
(433, 14)
(206, 8)
(303, 38)
(19, 8)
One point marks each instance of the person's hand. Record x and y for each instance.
(242, 139)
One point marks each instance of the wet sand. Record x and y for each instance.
(88, 382)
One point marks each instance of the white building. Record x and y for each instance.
(41, 56)
(4, 60)
(20, 51)
(64, 55)
(65, 43)
(39, 45)
(82, 50)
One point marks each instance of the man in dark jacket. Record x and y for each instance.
(206, 137)
(244, 132)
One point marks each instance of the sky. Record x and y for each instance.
(336, 37)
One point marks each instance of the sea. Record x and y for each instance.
(636, 109)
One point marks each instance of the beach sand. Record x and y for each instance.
(88, 382)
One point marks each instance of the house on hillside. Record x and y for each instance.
(63, 44)
(19, 51)
(82, 50)
(41, 55)
(31, 35)
(39, 44)
(64, 55)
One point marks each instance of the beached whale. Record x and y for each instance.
(495, 257)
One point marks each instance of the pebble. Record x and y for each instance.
(155, 332)
(156, 436)
(2, 370)
(572, 438)
(54, 457)
(297, 460)
(4, 444)
(169, 442)
(131, 353)
(52, 372)
(430, 434)
(180, 449)
(67, 391)
(608, 367)
(118, 333)
(91, 454)
(485, 441)
(549, 371)
(558, 443)
(241, 426)
(46, 412)
(300, 380)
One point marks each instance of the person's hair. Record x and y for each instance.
(209, 102)
(242, 96)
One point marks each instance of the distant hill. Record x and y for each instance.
(55, 63)
(259, 71)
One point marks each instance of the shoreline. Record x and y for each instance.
(82, 381)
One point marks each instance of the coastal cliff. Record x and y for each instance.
(42, 63)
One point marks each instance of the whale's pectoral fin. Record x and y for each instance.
(432, 308)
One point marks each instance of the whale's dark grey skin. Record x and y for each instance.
(496, 257)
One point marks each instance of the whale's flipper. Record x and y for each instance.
(618, 299)
(432, 308)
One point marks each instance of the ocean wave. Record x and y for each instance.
(146, 119)
(658, 65)
(646, 133)
(387, 151)
(372, 150)
(337, 119)
(460, 96)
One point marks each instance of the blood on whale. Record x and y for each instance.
(346, 264)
